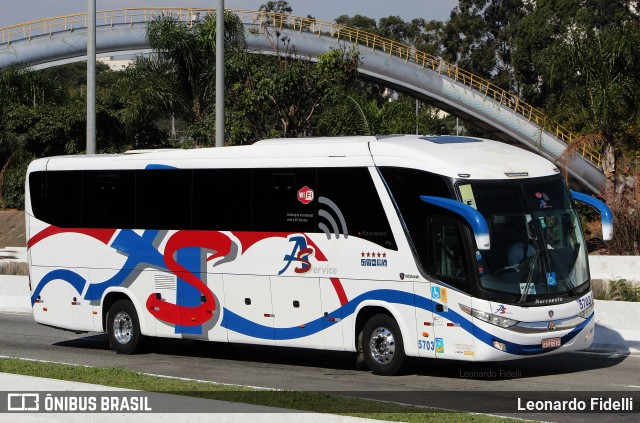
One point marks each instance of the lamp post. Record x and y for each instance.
(220, 74)
(91, 76)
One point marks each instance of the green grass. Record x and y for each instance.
(296, 400)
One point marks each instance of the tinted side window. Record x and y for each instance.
(109, 199)
(446, 251)
(436, 234)
(284, 200)
(222, 199)
(56, 197)
(163, 199)
(407, 185)
(348, 202)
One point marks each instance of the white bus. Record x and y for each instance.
(391, 246)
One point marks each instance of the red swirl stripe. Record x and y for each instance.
(102, 235)
(184, 315)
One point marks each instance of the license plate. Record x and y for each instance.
(551, 343)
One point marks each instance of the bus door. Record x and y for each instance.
(424, 320)
(297, 308)
(248, 314)
(332, 299)
(447, 262)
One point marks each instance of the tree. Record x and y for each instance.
(394, 27)
(358, 22)
(37, 118)
(285, 95)
(546, 23)
(357, 114)
(479, 37)
(422, 34)
(144, 93)
(279, 6)
(594, 87)
(426, 35)
(188, 49)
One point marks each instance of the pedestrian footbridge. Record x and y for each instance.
(55, 41)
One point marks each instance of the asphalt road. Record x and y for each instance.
(447, 384)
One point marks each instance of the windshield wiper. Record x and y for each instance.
(542, 245)
(563, 276)
(529, 276)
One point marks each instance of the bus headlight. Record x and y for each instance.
(586, 312)
(494, 319)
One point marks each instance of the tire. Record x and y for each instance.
(123, 328)
(382, 345)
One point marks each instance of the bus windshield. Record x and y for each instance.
(537, 247)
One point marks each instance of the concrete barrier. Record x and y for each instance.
(609, 268)
(14, 294)
(617, 328)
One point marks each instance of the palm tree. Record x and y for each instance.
(186, 62)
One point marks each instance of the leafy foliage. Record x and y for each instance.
(187, 59)
(37, 118)
(279, 6)
(621, 290)
(547, 23)
(594, 84)
(479, 37)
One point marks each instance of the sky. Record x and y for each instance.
(13, 12)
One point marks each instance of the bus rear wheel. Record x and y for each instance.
(382, 345)
(123, 328)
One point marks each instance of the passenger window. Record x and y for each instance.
(348, 203)
(108, 199)
(222, 199)
(163, 199)
(56, 197)
(284, 200)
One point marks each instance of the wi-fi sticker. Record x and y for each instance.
(330, 212)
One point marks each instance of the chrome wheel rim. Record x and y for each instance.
(382, 345)
(122, 327)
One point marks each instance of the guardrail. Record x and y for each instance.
(260, 19)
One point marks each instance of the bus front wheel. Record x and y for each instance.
(382, 345)
(123, 328)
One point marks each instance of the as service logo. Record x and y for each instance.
(301, 254)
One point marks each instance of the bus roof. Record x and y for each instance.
(453, 156)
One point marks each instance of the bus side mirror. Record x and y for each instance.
(605, 213)
(475, 219)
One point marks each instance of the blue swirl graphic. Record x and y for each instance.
(139, 250)
(74, 279)
(236, 323)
